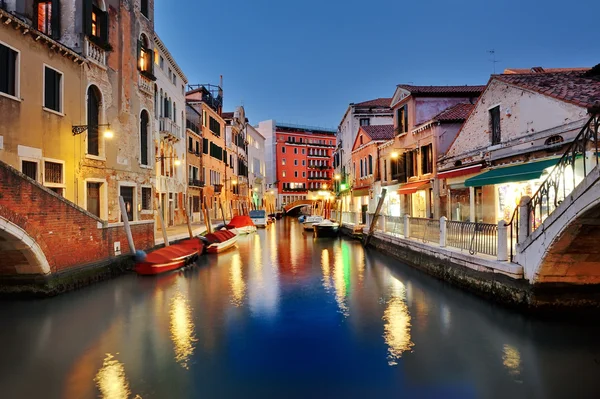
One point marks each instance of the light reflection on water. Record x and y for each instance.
(397, 323)
(111, 380)
(511, 358)
(236, 278)
(182, 329)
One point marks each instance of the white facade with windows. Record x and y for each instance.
(257, 174)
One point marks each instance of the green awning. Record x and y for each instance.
(511, 174)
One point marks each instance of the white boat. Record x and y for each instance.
(244, 229)
(225, 239)
(241, 225)
(310, 220)
(259, 218)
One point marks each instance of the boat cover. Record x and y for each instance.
(240, 221)
(219, 236)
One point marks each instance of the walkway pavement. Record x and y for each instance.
(180, 232)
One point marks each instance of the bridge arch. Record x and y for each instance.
(19, 252)
(297, 204)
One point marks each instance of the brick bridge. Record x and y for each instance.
(297, 204)
(43, 234)
(559, 229)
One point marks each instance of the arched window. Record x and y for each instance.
(145, 63)
(156, 101)
(144, 8)
(161, 103)
(93, 120)
(144, 137)
(370, 164)
(553, 140)
(174, 112)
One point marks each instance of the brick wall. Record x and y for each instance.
(68, 235)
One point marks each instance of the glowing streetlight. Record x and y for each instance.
(324, 186)
(108, 133)
(177, 162)
(255, 189)
(395, 155)
(337, 177)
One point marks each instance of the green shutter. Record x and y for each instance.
(139, 52)
(55, 19)
(87, 17)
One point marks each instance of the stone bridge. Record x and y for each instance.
(43, 235)
(297, 204)
(565, 247)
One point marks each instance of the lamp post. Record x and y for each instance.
(78, 129)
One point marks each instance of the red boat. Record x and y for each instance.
(170, 258)
(242, 224)
(220, 241)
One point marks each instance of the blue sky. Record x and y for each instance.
(304, 62)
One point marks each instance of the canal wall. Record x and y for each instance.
(502, 282)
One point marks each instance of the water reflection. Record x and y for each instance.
(397, 323)
(182, 329)
(511, 358)
(263, 282)
(326, 270)
(341, 278)
(111, 380)
(236, 279)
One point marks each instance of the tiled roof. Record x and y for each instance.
(227, 115)
(458, 112)
(434, 90)
(572, 87)
(379, 132)
(521, 71)
(378, 102)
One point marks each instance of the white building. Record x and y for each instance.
(372, 112)
(257, 165)
(236, 144)
(267, 130)
(169, 135)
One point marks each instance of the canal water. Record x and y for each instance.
(285, 315)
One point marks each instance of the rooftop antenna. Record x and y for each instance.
(494, 61)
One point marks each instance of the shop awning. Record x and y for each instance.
(360, 192)
(467, 170)
(410, 188)
(511, 174)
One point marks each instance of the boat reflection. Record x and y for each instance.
(397, 334)
(111, 380)
(182, 329)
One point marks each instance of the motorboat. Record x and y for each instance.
(220, 241)
(169, 258)
(242, 224)
(259, 218)
(302, 218)
(326, 228)
(310, 220)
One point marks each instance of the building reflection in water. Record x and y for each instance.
(341, 277)
(511, 358)
(263, 282)
(182, 329)
(397, 323)
(236, 280)
(326, 269)
(111, 380)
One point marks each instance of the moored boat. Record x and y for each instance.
(242, 224)
(170, 258)
(259, 218)
(326, 228)
(220, 241)
(310, 221)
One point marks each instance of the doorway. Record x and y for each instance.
(127, 194)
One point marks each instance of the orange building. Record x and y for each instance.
(304, 162)
(365, 161)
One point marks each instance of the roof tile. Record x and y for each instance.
(379, 132)
(378, 102)
(435, 90)
(455, 113)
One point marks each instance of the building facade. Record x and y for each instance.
(237, 149)
(169, 137)
(304, 162)
(366, 113)
(195, 179)
(514, 136)
(110, 151)
(257, 168)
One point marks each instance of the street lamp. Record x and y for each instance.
(337, 177)
(78, 129)
(394, 155)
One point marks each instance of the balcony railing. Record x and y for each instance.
(294, 190)
(313, 155)
(94, 52)
(192, 126)
(319, 167)
(145, 84)
(169, 129)
(320, 178)
(196, 183)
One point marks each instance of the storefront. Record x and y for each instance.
(417, 199)
(391, 204)
(457, 200)
(499, 191)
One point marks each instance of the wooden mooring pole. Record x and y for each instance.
(375, 217)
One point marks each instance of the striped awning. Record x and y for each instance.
(467, 170)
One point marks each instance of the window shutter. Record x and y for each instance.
(103, 26)
(55, 19)
(406, 118)
(139, 54)
(87, 17)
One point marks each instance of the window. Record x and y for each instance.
(53, 172)
(283, 174)
(175, 79)
(385, 170)
(283, 150)
(93, 198)
(47, 17)
(295, 150)
(146, 198)
(295, 162)
(190, 145)
(495, 125)
(9, 70)
(303, 162)
(215, 127)
(553, 140)
(144, 8)
(195, 204)
(29, 169)
(144, 137)
(303, 151)
(127, 194)
(95, 22)
(427, 159)
(205, 146)
(303, 174)
(197, 148)
(53, 89)
(144, 56)
(162, 63)
(93, 120)
(402, 119)
(365, 121)
(361, 168)
(283, 161)
(295, 173)
(370, 164)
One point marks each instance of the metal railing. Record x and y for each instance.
(427, 230)
(394, 225)
(474, 237)
(168, 127)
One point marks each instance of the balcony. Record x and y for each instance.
(146, 84)
(322, 178)
(196, 183)
(169, 129)
(94, 53)
(193, 126)
(313, 155)
(293, 190)
(319, 167)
